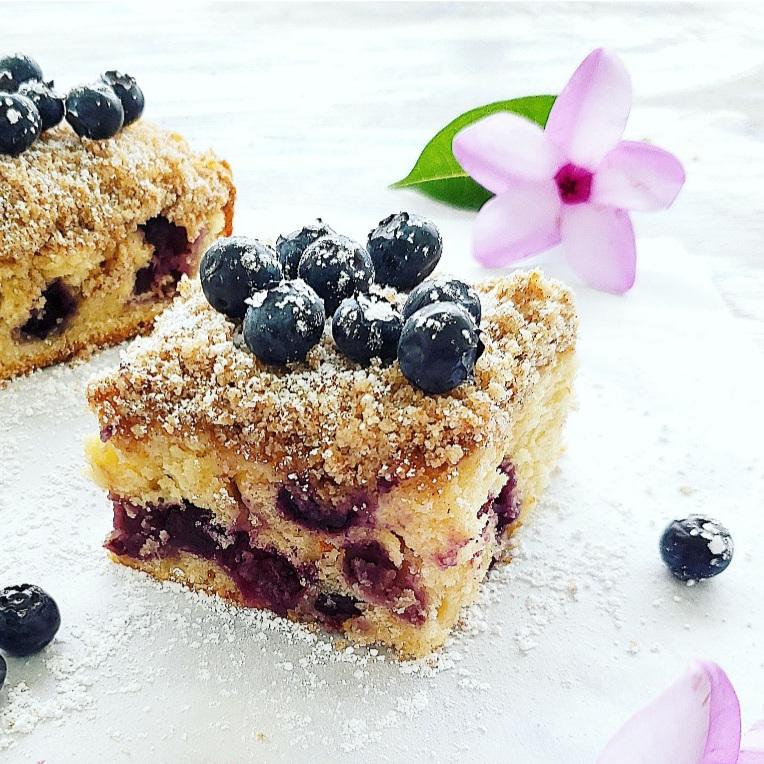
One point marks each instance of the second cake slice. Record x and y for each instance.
(95, 236)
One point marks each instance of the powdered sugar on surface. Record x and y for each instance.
(580, 629)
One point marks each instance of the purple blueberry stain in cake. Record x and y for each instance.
(506, 505)
(298, 503)
(336, 607)
(368, 566)
(106, 433)
(58, 305)
(264, 577)
(308, 511)
(449, 556)
(173, 256)
(386, 483)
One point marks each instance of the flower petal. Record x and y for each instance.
(588, 117)
(504, 147)
(637, 176)
(521, 221)
(752, 748)
(599, 244)
(692, 722)
(723, 742)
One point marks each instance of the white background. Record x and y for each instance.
(318, 108)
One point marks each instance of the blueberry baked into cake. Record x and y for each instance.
(299, 434)
(99, 218)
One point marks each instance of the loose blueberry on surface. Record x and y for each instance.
(49, 103)
(20, 123)
(233, 269)
(94, 111)
(17, 68)
(696, 548)
(443, 289)
(439, 347)
(366, 327)
(283, 323)
(128, 92)
(336, 267)
(29, 619)
(292, 246)
(405, 249)
(3, 671)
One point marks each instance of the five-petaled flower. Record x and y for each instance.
(571, 182)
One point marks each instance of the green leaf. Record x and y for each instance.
(437, 174)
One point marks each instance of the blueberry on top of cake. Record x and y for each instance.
(16, 69)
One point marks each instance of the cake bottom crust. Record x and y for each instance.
(84, 343)
(105, 318)
(375, 626)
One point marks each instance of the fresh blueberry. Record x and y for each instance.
(439, 347)
(696, 548)
(3, 671)
(284, 322)
(94, 111)
(29, 619)
(49, 103)
(336, 267)
(20, 123)
(128, 92)
(291, 246)
(233, 269)
(443, 289)
(17, 68)
(366, 327)
(405, 249)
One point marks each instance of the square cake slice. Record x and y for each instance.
(325, 491)
(95, 235)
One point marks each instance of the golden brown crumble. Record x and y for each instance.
(68, 193)
(328, 417)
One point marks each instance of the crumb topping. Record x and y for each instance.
(68, 192)
(329, 417)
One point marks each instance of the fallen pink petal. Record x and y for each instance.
(695, 721)
(596, 178)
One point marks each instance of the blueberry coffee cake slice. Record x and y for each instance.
(362, 470)
(99, 218)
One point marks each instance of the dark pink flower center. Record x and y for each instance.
(574, 184)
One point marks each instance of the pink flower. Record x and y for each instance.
(570, 182)
(695, 721)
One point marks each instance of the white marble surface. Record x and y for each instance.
(318, 108)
